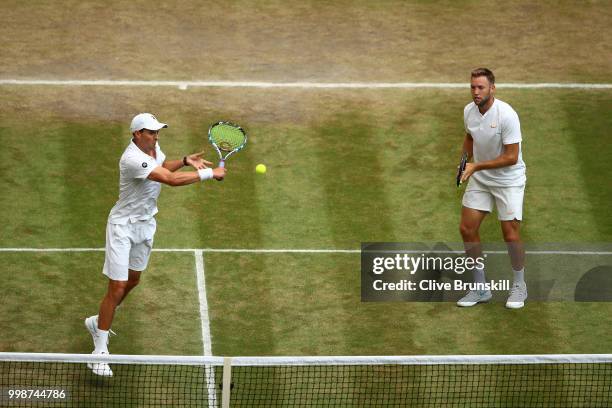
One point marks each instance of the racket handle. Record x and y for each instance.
(222, 165)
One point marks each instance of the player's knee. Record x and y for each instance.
(132, 283)
(511, 233)
(511, 236)
(133, 279)
(467, 230)
(117, 291)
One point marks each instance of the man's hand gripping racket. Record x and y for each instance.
(461, 169)
(227, 139)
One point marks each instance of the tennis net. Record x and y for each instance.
(63, 380)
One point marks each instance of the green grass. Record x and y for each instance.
(343, 168)
(48, 296)
(309, 304)
(380, 168)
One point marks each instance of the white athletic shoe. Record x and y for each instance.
(92, 326)
(102, 369)
(473, 297)
(518, 295)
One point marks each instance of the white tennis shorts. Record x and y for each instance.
(128, 246)
(507, 200)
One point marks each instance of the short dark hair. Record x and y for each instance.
(486, 72)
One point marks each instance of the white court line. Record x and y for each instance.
(206, 338)
(298, 251)
(205, 321)
(283, 251)
(302, 85)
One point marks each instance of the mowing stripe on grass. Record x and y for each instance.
(304, 85)
(593, 153)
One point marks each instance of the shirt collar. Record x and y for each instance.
(494, 105)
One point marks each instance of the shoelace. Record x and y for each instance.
(110, 331)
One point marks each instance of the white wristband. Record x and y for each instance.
(205, 174)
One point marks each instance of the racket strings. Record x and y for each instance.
(227, 137)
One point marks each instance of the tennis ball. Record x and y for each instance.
(260, 168)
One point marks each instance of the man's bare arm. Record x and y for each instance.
(183, 178)
(172, 165)
(508, 157)
(194, 160)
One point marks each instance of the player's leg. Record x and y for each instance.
(469, 229)
(116, 269)
(115, 293)
(511, 233)
(125, 262)
(133, 281)
(509, 201)
(477, 203)
(116, 261)
(99, 326)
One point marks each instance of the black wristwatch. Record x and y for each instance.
(185, 161)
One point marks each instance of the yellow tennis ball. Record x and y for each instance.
(260, 168)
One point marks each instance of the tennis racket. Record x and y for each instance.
(227, 139)
(461, 168)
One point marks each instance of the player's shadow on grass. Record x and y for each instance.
(595, 285)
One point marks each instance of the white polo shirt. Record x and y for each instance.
(137, 194)
(499, 126)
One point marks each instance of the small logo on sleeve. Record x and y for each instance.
(144, 165)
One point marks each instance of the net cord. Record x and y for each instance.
(310, 360)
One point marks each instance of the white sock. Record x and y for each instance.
(479, 275)
(101, 341)
(519, 276)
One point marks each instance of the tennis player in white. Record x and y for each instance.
(131, 224)
(496, 178)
